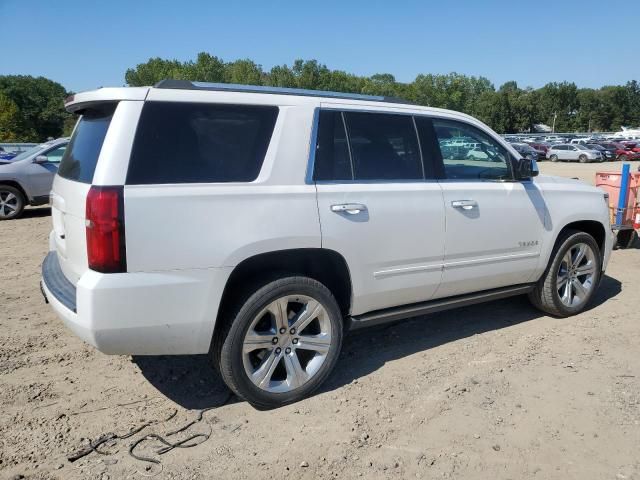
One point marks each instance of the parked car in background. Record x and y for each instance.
(579, 141)
(526, 150)
(27, 179)
(609, 155)
(623, 153)
(573, 153)
(631, 145)
(541, 148)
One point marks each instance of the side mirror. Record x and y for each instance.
(41, 159)
(524, 168)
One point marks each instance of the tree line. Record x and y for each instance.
(31, 108)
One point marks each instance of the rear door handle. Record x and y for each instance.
(350, 208)
(464, 204)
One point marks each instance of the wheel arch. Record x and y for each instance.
(592, 227)
(324, 265)
(18, 186)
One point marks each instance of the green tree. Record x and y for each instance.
(40, 104)
(8, 119)
(509, 109)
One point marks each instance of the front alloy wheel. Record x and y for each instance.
(576, 275)
(571, 277)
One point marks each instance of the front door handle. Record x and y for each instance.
(350, 208)
(464, 204)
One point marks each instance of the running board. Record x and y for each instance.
(393, 314)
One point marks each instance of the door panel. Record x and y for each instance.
(494, 225)
(394, 248)
(376, 208)
(495, 243)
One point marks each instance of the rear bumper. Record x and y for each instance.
(159, 313)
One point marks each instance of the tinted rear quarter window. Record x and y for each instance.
(200, 143)
(332, 160)
(81, 156)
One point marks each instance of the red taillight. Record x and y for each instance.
(106, 251)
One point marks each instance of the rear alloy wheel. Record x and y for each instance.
(583, 159)
(623, 158)
(553, 158)
(283, 342)
(572, 276)
(11, 202)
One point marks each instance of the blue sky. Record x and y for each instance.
(87, 44)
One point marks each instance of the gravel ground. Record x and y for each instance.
(491, 391)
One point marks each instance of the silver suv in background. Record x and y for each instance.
(27, 179)
(572, 153)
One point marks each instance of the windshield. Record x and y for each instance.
(581, 147)
(28, 153)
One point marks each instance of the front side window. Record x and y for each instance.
(200, 143)
(383, 146)
(469, 153)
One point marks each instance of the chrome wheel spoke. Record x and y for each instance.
(318, 343)
(257, 341)
(586, 269)
(567, 295)
(563, 278)
(263, 374)
(296, 376)
(568, 260)
(579, 256)
(580, 290)
(310, 312)
(279, 311)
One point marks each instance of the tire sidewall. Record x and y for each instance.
(21, 202)
(232, 354)
(570, 241)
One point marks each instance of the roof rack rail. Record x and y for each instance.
(234, 87)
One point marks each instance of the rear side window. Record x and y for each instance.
(383, 146)
(200, 143)
(81, 156)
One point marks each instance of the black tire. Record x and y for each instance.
(625, 238)
(545, 294)
(12, 209)
(228, 344)
(553, 158)
(583, 159)
(623, 158)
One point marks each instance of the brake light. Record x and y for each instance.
(104, 222)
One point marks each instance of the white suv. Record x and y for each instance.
(259, 225)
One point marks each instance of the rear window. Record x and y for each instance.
(81, 156)
(200, 143)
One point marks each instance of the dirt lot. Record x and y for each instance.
(491, 391)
